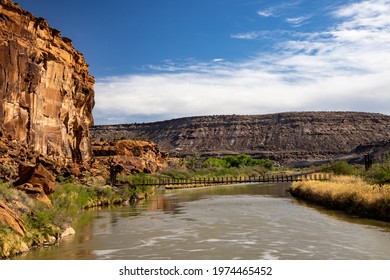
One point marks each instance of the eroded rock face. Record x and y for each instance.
(133, 156)
(35, 192)
(38, 176)
(284, 137)
(10, 218)
(46, 92)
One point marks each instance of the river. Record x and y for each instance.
(255, 221)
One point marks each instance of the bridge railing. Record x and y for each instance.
(210, 181)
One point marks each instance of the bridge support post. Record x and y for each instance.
(115, 169)
(367, 162)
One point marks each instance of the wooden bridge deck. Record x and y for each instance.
(185, 183)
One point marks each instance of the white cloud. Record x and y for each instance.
(297, 21)
(347, 67)
(250, 35)
(373, 14)
(265, 13)
(275, 11)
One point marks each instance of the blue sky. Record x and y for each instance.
(162, 59)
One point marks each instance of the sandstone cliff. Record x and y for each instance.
(132, 155)
(284, 137)
(46, 92)
(46, 101)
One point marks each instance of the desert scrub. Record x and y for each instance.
(341, 168)
(9, 194)
(45, 224)
(348, 193)
(68, 202)
(10, 242)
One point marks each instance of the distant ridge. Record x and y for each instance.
(283, 137)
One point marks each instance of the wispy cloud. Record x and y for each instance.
(298, 21)
(266, 13)
(277, 10)
(250, 35)
(346, 67)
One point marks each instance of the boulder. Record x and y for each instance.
(67, 232)
(36, 176)
(36, 192)
(11, 219)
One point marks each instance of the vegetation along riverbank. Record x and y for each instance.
(365, 194)
(33, 223)
(195, 168)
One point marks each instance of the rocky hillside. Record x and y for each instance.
(46, 91)
(133, 156)
(283, 137)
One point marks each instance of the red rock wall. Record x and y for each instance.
(46, 91)
(134, 156)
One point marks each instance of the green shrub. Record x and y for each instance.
(379, 173)
(68, 201)
(238, 161)
(215, 163)
(341, 168)
(6, 193)
(177, 173)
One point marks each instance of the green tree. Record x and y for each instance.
(214, 163)
(380, 173)
(341, 168)
(191, 162)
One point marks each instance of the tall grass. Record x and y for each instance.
(349, 193)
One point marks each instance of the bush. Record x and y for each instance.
(237, 162)
(6, 193)
(341, 168)
(68, 201)
(215, 163)
(379, 173)
(382, 177)
(9, 194)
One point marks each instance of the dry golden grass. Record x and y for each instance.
(349, 193)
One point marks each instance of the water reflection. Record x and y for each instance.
(170, 200)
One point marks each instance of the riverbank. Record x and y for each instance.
(253, 221)
(30, 223)
(347, 193)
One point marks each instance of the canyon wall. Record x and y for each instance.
(46, 91)
(283, 137)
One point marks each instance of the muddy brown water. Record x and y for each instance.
(256, 221)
